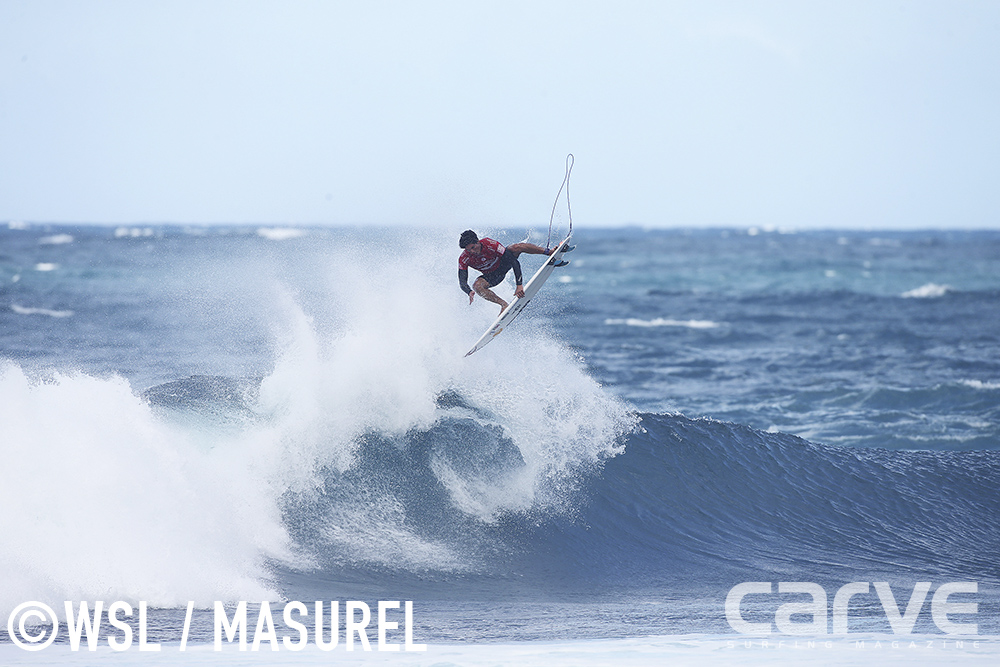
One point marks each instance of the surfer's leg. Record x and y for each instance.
(482, 288)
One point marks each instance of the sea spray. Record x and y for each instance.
(379, 367)
(103, 498)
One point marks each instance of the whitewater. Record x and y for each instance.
(201, 414)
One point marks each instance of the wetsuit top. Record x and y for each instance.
(488, 259)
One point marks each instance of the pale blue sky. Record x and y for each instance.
(792, 114)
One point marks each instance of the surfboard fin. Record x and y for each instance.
(562, 262)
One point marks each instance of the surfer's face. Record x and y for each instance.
(474, 248)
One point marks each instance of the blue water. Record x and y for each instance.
(286, 414)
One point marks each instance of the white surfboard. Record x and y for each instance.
(515, 307)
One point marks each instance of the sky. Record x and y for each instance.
(799, 114)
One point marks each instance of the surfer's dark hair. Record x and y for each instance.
(467, 237)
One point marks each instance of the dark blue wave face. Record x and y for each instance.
(657, 536)
(711, 497)
(690, 504)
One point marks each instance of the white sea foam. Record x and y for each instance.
(663, 322)
(134, 232)
(380, 364)
(56, 239)
(394, 351)
(102, 500)
(979, 384)
(928, 291)
(46, 266)
(21, 310)
(280, 233)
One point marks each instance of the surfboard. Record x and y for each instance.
(515, 307)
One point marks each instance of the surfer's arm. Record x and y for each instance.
(529, 248)
(463, 282)
(518, 287)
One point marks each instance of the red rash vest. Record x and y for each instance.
(486, 260)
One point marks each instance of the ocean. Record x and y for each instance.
(268, 415)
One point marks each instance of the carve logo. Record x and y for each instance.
(902, 618)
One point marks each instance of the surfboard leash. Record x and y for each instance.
(569, 210)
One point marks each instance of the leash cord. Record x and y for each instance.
(565, 184)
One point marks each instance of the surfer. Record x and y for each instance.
(494, 261)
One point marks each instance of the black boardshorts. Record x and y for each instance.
(496, 276)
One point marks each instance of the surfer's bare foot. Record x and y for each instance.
(503, 305)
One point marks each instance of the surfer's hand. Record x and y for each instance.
(472, 295)
(519, 291)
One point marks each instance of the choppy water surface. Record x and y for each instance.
(266, 414)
